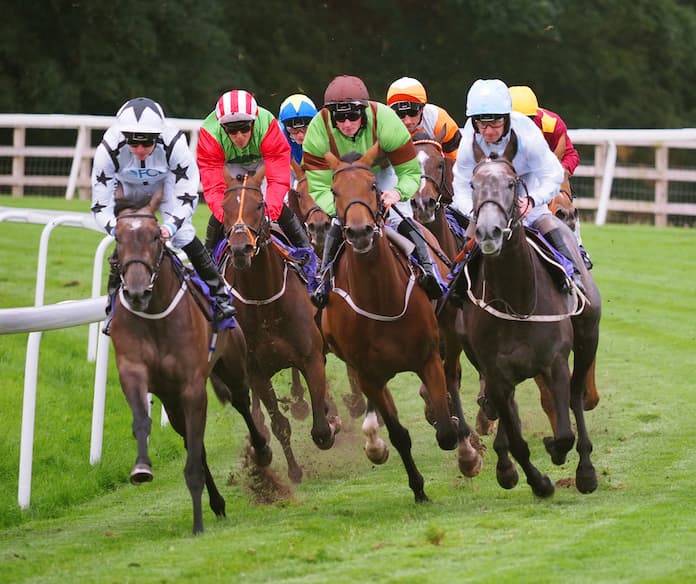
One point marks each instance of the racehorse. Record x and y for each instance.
(380, 322)
(161, 338)
(518, 325)
(317, 223)
(562, 207)
(275, 312)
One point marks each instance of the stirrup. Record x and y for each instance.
(320, 297)
(106, 329)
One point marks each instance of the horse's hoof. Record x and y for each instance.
(421, 497)
(544, 488)
(586, 479)
(558, 449)
(355, 404)
(470, 461)
(299, 409)
(484, 426)
(507, 475)
(262, 456)
(141, 473)
(379, 453)
(295, 474)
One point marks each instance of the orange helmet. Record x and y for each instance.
(524, 100)
(406, 89)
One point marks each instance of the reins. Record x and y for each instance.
(255, 235)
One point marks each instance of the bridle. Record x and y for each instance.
(377, 215)
(153, 269)
(259, 235)
(313, 209)
(440, 185)
(510, 213)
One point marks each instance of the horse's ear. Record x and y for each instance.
(368, 158)
(331, 160)
(511, 148)
(259, 174)
(156, 199)
(118, 191)
(478, 152)
(226, 175)
(297, 169)
(440, 136)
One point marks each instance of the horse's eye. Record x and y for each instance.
(471, 184)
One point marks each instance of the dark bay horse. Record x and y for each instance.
(518, 325)
(380, 322)
(275, 312)
(161, 338)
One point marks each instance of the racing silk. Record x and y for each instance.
(383, 126)
(267, 145)
(171, 166)
(556, 134)
(435, 118)
(295, 148)
(534, 163)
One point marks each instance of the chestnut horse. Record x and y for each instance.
(161, 338)
(380, 322)
(519, 325)
(275, 312)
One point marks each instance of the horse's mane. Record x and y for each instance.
(132, 202)
(420, 136)
(351, 157)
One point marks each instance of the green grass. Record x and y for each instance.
(350, 520)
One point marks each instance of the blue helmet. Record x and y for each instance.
(297, 110)
(488, 97)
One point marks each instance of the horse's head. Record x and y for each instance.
(246, 224)
(562, 207)
(436, 177)
(357, 198)
(316, 221)
(139, 246)
(495, 185)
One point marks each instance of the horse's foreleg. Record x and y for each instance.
(559, 385)
(446, 428)
(324, 427)
(355, 400)
(135, 391)
(376, 449)
(585, 474)
(546, 399)
(280, 426)
(398, 435)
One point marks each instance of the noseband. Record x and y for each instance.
(258, 235)
(377, 215)
(153, 269)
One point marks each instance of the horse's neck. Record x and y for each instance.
(166, 286)
(442, 232)
(265, 274)
(375, 280)
(511, 275)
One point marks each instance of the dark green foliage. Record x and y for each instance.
(626, 63)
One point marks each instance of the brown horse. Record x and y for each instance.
(562, 207)
(161, 338)
(380, 322)
(519, 325)
(275, 312)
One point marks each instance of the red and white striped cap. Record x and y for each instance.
(237, 105)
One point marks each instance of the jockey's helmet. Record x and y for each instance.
(406, 89)
(488, 98)
(524, 100)
(140, 119)
(348, 90)
(237, 105)
(296, 111)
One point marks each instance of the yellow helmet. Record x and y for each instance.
(524, 100)
(406, 89)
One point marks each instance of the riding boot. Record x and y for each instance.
(213, 233)
(204, 265)
(112, 286)
(333, 241)
(429, 280)
(586, 258)
(556, 238)
(294, 231)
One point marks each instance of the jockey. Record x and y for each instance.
(490, 125)
(241, 135)
(407, 97)
(351, 122)
(556, 134)
(295, 113)
(143, 153)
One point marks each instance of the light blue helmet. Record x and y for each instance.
(296, 111)
(488, 97)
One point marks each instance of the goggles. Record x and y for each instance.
(295, 124)
(352, 116)
(489, 121)
(407, 108)
(146, 140)
(233, 128)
